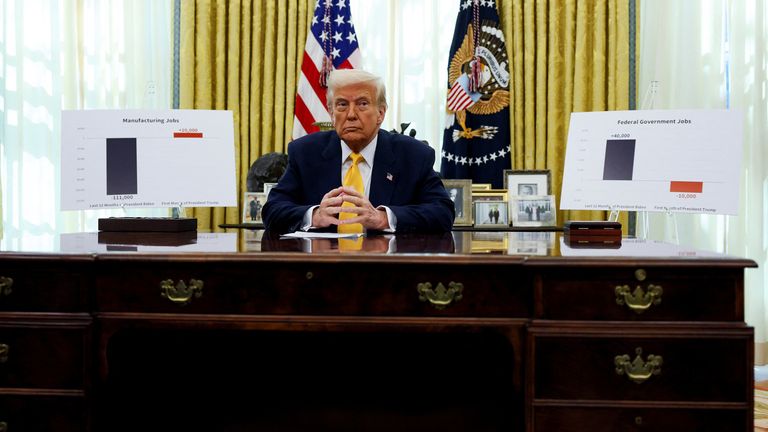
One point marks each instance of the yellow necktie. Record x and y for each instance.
(354, 179)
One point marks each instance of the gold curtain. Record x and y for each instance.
(243, 56)
(567, 56)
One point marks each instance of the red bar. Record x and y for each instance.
(187, 134)
(686, 186)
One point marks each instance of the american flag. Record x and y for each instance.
(458, 97)
(476, 140)
(331, 37)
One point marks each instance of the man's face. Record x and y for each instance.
(356, 116)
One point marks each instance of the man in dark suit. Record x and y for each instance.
(401, 193)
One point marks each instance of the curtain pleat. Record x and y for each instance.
(267, 76)
(241, 115)
(542, 27)
(558, 83)
(566, 56)
(243, 56)
(529, 84)
(255, 69)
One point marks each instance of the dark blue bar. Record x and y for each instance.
(619, 159)
(121, 166)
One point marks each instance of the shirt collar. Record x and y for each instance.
(368, 151)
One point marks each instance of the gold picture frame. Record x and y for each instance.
(490, 195)
(253, 203)
(491, 214)
(527, 182)
(480, 186)
(460, 192)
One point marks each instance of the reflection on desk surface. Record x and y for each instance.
(373, 244)
(190, 241)
(630, 247)
(519, 244)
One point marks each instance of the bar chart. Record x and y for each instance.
(139, 158)
(662, 160)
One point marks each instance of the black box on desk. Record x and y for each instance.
(592, 233)
(147, 224)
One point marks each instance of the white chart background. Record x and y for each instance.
(700, 146)
(171, 171)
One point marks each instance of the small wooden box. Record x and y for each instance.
(592, 233)
(147, 224)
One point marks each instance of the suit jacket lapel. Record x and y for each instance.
(383, 176)
(329, 166)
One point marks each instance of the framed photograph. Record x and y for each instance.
(253, 202)
(533, 211)
(480, 186)
(525, 183)
(268, 187)
(491, 214)
(460, 192)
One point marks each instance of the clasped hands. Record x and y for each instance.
(327, 213)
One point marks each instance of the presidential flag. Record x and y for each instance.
(331, 44)
(476, 138)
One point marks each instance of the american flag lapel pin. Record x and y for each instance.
(389, 176)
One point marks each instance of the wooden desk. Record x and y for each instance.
(523, 334)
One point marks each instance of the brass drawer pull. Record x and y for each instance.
(6, 287)
(640, 299)
(180, 293)
(440, 297)
(4, 348)
(638, 370)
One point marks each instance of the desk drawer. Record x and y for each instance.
(42, 357)
(30, 413)
(568, 419)
(343, 288)
(644, 365)
(665, 294)
(44, 286)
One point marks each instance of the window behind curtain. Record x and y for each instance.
(713, 54)
(407, 43)
(58, 55)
